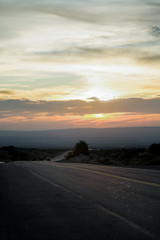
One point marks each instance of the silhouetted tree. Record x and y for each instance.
(81, 148)
(154, 148)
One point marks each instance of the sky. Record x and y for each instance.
(79, 64)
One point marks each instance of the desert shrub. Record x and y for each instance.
(69, 155)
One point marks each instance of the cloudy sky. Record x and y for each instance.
(71, 63)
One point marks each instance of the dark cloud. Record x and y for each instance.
(72, 51)
(79, 107)
(149, 58)
(140, 52)
(93, 99)
(155, 31)
(154, 3)
(6, 92)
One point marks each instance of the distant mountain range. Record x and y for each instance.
(95, 137)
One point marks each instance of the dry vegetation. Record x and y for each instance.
(120, 157)
(80, 153)
(11, 153)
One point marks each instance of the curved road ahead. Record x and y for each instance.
(55, 200)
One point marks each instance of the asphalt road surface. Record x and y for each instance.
(55, 200)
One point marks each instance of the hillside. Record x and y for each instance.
(96, 138)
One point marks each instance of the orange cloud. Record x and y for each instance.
(44, 121)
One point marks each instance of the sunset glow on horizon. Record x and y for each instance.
(68, 64)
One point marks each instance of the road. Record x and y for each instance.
(55, 200)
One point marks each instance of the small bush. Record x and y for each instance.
(69, 155)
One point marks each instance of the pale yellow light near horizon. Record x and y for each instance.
(100, 93)
(99, 116)
(94, 75)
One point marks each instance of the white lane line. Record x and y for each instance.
(55, 184)
(130, 223)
